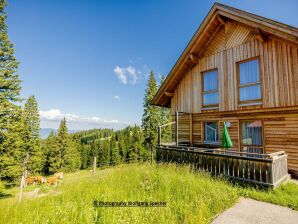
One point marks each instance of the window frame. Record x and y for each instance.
(240, 134)
(204, 132)
(209, 106)
(239, 86)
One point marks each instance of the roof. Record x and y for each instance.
(208, 27)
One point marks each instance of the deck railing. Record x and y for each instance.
(262, 169)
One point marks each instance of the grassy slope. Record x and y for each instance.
(191, 197)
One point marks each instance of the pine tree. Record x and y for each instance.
(64, 156)
(122, 146)
(150, 119)
(104, 153)
(32, 143)
(50, 151)
(72, 159)
(136, 150)
(11, 124)
(31, 115)
(165, 118)
(114, 152)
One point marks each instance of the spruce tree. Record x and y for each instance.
(104, 153)
(72, 159)
(32, 144)
(114, 152)
(11, 125)
(150, 119)
(165, 117)
(136, 149)
(50, 151)
(122, 146)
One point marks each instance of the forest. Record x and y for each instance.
(23, 152)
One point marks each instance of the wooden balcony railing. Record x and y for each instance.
(263, 169)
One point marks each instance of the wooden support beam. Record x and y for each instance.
(259, 35)
(169, 94)
(193, 58)
(220, 19)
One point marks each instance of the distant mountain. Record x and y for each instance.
(44, 132)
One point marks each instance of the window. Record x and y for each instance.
(249, 82)
(251, 138)
(211, 132)
(210, 89)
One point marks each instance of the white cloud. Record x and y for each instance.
(127, 74)
(117, 98)
(52, 118)
(121, 74)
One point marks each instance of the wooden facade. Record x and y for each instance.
(231, 36)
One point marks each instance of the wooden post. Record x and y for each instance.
(159, 135)
(94, 166)
(177, 126)
(21, 187)
(190, 130)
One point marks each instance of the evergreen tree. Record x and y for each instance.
(72, 159)
(165, 117)
(11, 125)
(122, 146)
(150, 119)
(50, 150)
(64, 156)
(136, 150)
(31, 115)
(114, 152)
(104, 153)
(32, 143)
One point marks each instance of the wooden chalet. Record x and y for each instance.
(241, 70)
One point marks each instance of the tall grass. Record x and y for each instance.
(191, 197)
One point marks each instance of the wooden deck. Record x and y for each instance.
(268, 170)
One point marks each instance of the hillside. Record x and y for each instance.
(190, 197)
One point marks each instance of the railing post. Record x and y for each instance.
(177, 126)
(159, 135)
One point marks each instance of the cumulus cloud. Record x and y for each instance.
(117, 98)
(52, 118)
(127, 74)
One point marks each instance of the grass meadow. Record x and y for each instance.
(192, 197)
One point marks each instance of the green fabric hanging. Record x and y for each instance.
(226, 140)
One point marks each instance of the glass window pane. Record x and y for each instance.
(210, 98)
(210, 80)
(211, 132)
(250, 92)
(252, 133)
(249, 72)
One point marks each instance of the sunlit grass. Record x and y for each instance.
(286, 195)
(191, 197)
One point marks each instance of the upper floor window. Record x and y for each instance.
(249, 81)
(210, 89)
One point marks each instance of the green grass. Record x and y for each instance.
(286, 195)
(191, 197)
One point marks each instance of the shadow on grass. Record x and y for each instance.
(5, 195)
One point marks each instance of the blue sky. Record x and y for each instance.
(89, 60)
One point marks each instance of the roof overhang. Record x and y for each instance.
(212, 22)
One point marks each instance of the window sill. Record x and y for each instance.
(210, 108)
(250, 104)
